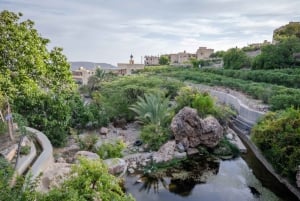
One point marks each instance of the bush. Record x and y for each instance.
(154, 136)
(111, 150)
(278, 137)
(3, 127)
(204, 104)
(88, 142)
(152, 109)
(25, 150)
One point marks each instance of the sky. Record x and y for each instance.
(111, 30)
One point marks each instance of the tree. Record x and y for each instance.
(280, 55)
(164, 60)
(217, 54)
(38, 82)
(236, 59)
(289, 30)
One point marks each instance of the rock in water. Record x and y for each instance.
(191, 131)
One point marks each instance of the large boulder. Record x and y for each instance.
(191, 131)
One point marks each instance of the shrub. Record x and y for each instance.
(154, 136)
(3, 127)
(278, 137)
(152, 109)
(88, 142)
(111, 150)
(25, 150)
(204, 104)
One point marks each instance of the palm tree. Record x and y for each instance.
(95, 80)
(151, 109)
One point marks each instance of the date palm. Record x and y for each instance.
(151, 109)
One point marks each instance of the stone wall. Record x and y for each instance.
(249, 115)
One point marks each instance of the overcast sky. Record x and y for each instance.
(110, 30)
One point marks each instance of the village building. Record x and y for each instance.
(203, 53)
(130, 67)
(181, 58)
(151, 60)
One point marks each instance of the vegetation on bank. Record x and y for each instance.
(89, 180)
(277, 134)
(278, 137)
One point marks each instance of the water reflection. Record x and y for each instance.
(208, 181)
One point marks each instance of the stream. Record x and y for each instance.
(229, 180)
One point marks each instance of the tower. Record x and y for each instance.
(131, 61)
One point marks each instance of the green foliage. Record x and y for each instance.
(218, 54)
(164, 60)
(89, 181)
(23, 188)
(278, 97)
(38, 82)
(285, 77)
(191, 97)
(88, 142)
(111, 150)
(3, 127)
(151, 109)
(117, 95)
(203, 103)
(25, 150)
(154, 136)
(290, 30)
(279, 55)
(278, 137)
(185, 97)
(236, 59)
(225, 148)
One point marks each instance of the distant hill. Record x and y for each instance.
(89, 65)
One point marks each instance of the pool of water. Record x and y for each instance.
(231, 180)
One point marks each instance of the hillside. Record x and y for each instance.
(89, 65)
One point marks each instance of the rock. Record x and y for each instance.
(298, 177)
(192, 151)
(179, 155)
(120, 123)
(116, 166)
(60, 160)
(131, 170)
(229, 136)
(180, 147)
(10, 152)
(191, 131)
(103, 131)
(54, 176)
(165, 152)
(87, 154)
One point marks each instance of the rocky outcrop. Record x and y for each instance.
(54, 176)
(165, 152)
(191, 131)
(87, 154)
(116, 166)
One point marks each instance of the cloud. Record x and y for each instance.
(109, 31)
